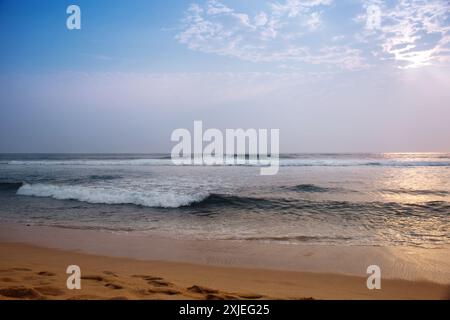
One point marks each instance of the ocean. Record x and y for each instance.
(332, 199)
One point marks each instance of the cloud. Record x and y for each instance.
(268, 36)
(403, 33)
(295, 8)
(414, 33)
(261, 19)
(314, 21)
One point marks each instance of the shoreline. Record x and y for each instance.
(124, 266)
(31, 272)
(406, 263)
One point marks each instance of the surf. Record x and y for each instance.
(104, 195)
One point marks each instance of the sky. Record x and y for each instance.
(333, 76)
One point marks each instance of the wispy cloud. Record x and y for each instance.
(414, 33)
(409, 33)
(273, 35)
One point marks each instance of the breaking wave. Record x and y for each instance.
(10, 186)
(284, 162)
(205, 200)
(101, 195)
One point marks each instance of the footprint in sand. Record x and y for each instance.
(20, 269)
(202, 290)
(155, 281)
(166, 291)
(110, 273)
(159, 283)
(210, 294)
(46, 273)
(113, 286)
(93, 277)
(20, 292)
(213, 294)
(146, 277)
(98, 278)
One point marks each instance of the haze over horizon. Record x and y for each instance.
(315, 69)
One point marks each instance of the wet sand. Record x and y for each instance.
(33, 262)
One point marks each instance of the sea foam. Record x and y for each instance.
(284, 162)
(104, 195)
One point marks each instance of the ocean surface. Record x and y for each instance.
(333, 199)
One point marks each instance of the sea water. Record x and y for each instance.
(333, 199)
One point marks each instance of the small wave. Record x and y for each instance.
(300, 206)
(101, 195)
(417, 192)
(103, 177)
(284, 162)
(308, 188)
(10, 186)
(78, 162)
(221, 200)
(359, 163)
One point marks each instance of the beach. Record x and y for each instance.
(34, 261)
(225, 150)
(140, 227)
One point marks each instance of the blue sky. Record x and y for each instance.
(318, 70)
(115, 35)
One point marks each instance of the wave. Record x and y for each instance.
(284, 162)
(314, 188)
(104, 177)
(86, 162)
(359, 163)
(203, 200)
(10, 186)
(308, 188)
(417, 192)
(300, 206)
(225, 200)
(101, 195)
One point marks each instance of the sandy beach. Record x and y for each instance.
(34, 260)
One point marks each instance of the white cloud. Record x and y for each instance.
(215, 7)
(272, 36)
(294, 8)
(314, 21)
(414, 33)
(404, 33)
(338, 38)
(261, 19)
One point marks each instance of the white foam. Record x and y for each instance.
(104, 195)
(283, 162)
(112, 162)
